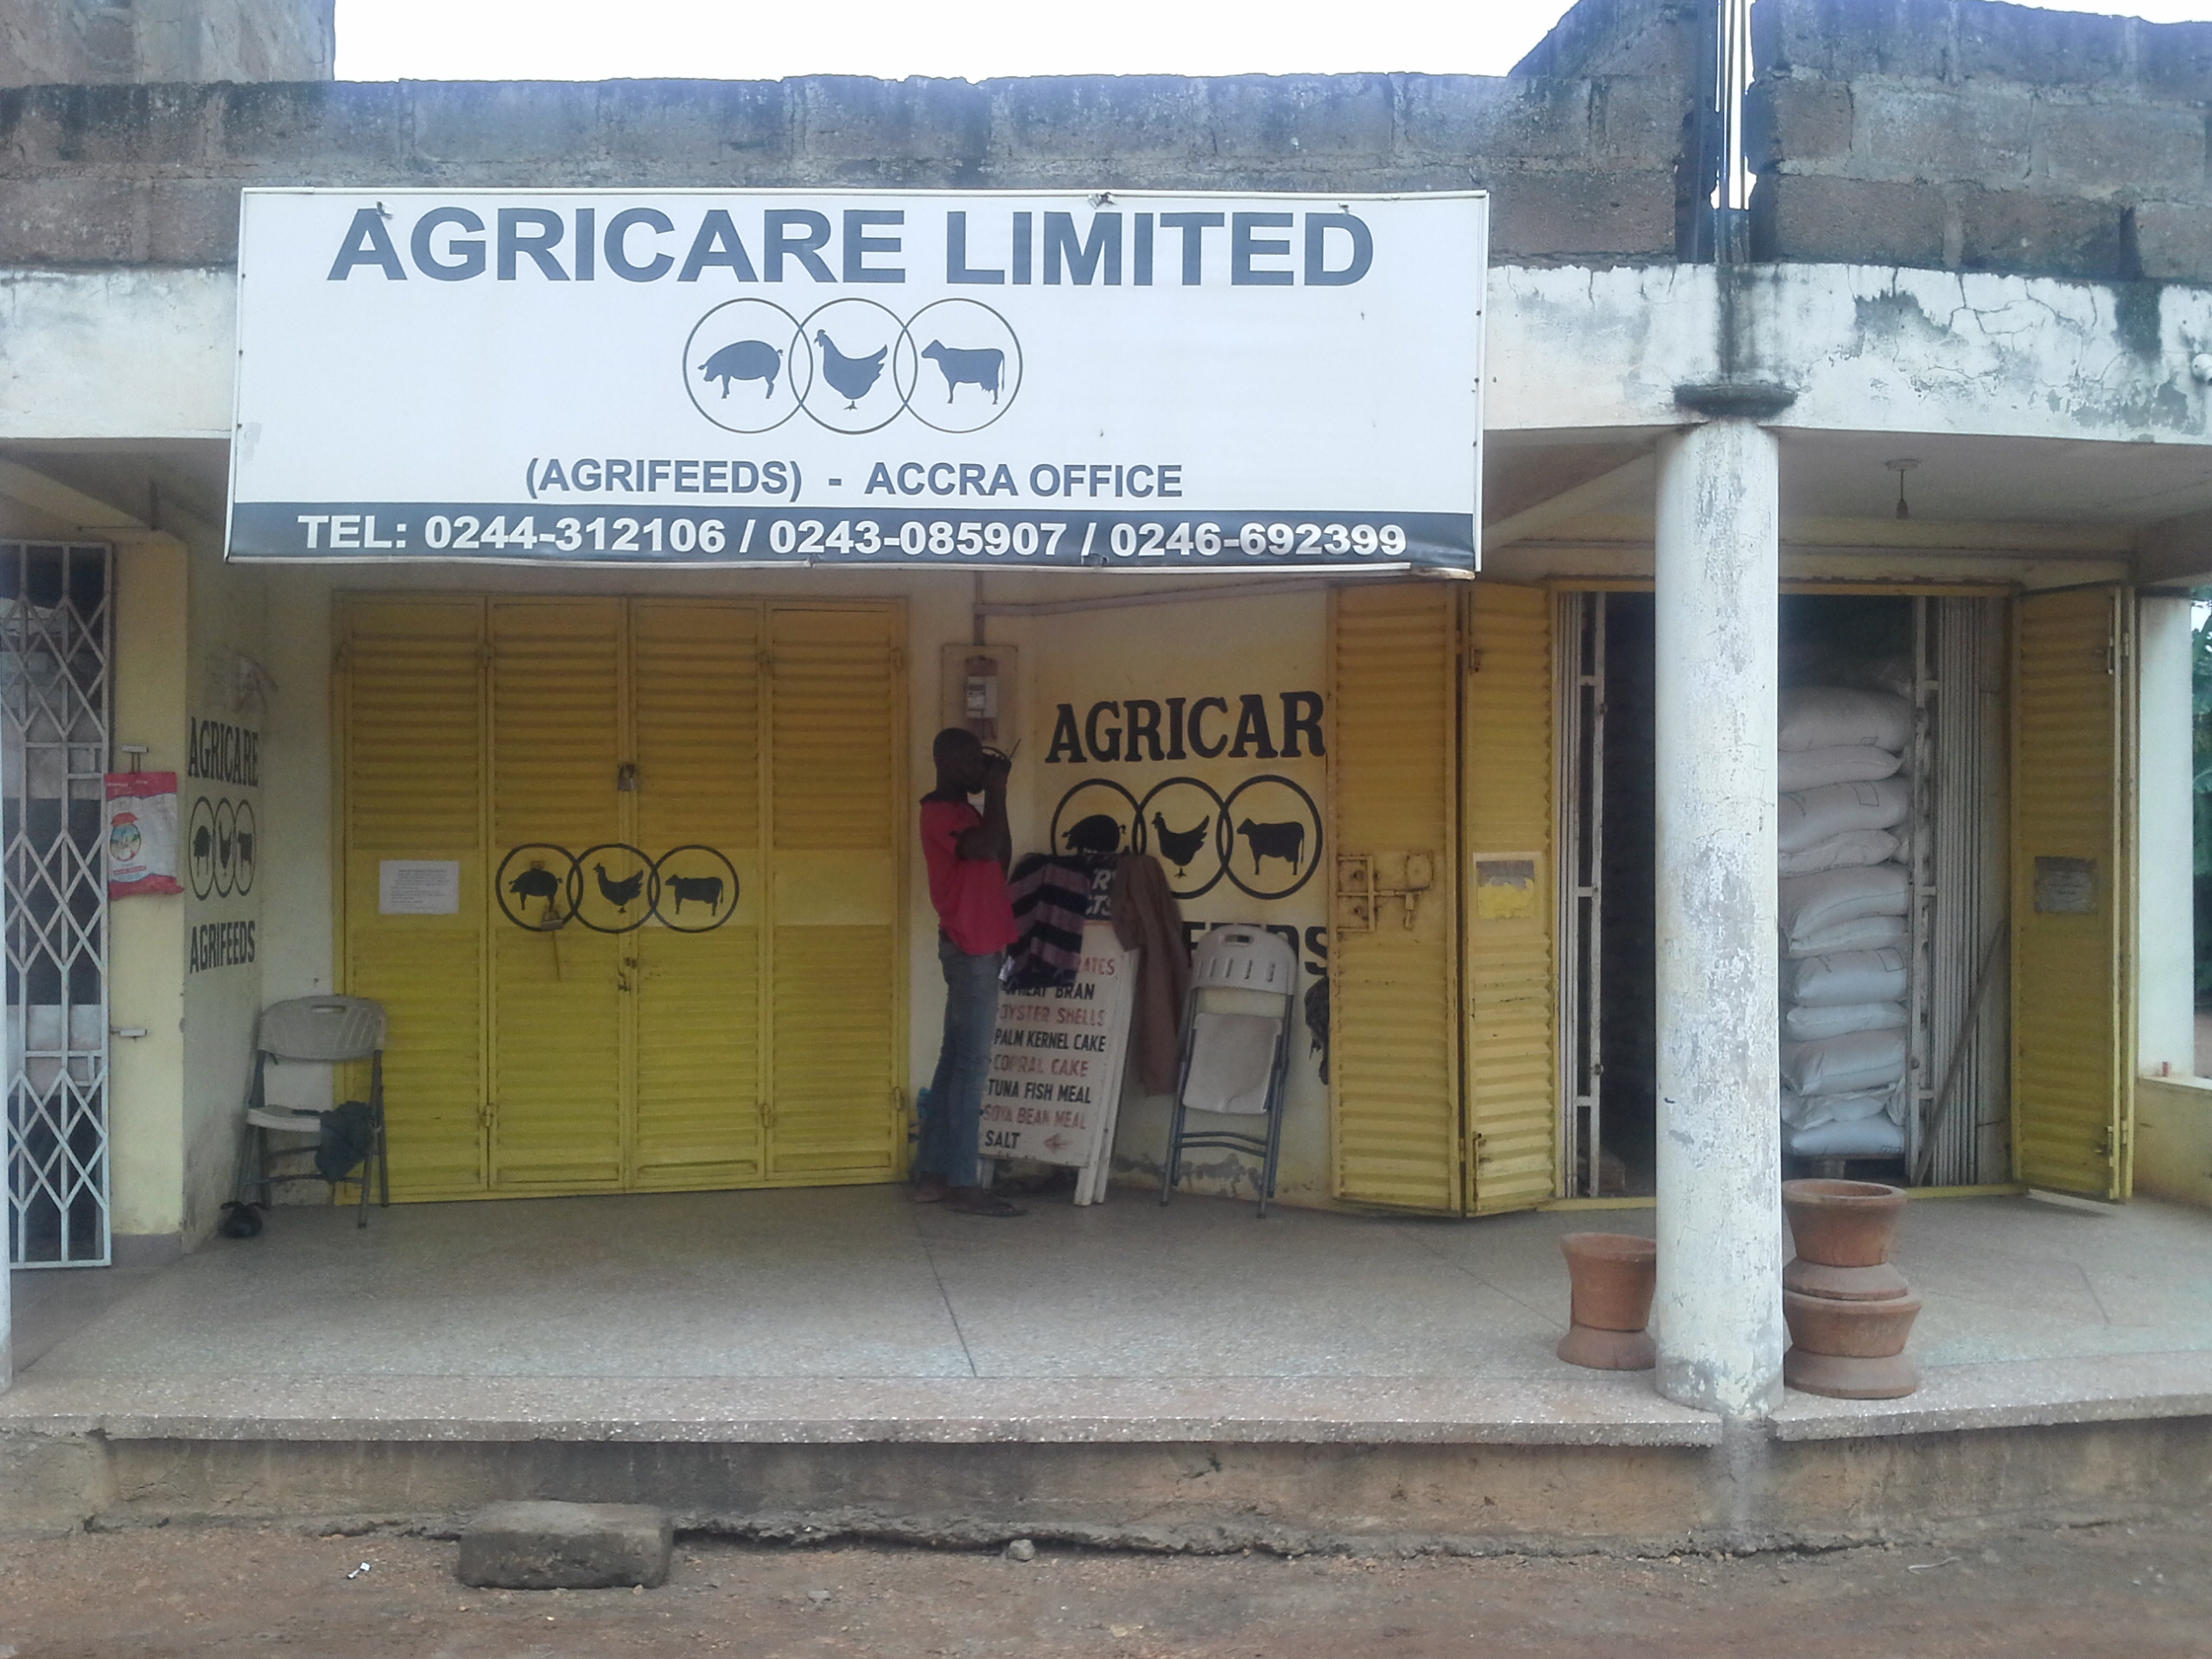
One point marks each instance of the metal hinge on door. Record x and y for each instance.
(1360, 894)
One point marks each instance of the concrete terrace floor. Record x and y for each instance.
(814, 1307)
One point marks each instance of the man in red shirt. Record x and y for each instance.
(967, 852)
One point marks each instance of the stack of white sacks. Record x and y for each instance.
(1845, 895)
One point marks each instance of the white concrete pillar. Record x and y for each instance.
(1717, 1316)
(2166, 895)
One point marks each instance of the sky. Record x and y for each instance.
(593, 40)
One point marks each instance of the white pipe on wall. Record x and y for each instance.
(1717, 1316)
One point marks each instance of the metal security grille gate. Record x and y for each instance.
(56, 637)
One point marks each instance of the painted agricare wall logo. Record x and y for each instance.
(852, 365)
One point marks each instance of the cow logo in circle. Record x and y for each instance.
(1269, 834)
(966, 350)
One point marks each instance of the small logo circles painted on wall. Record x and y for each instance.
(852, 365)
(1264, 837)
(614, 887)
(221, 847)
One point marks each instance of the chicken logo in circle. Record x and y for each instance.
(852, 341)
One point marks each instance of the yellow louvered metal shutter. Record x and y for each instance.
(1394, 999)
(837, 831)
(696, 712)
(409, 723)
(556, 997)
(2072, 1104)
(1508, 828)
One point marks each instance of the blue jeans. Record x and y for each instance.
(952, 1125)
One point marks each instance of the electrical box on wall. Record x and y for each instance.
(977, 691)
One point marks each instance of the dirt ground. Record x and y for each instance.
(2143, 1591)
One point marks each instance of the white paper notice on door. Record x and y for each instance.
(418, 887)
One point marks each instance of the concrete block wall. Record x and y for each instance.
(1584, 169)
(47, 41)
(1967, 135)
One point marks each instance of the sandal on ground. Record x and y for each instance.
(928, 1191)
(984, 1204)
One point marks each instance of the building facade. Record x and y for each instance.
(1929, 417)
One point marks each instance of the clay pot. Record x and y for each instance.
(1880, 1283)
(1820, 1324)
(1841, 1378)
(1843, 1223)
(1613, 1275)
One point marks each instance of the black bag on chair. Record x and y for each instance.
(349, 1134)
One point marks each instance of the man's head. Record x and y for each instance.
(961, 763)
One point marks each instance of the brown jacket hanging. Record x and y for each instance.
(1146, 918)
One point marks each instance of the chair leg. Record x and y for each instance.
(1170, 1166)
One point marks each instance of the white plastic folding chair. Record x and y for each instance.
(1236, 1049)
(318, 1031)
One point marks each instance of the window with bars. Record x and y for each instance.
(56, 649)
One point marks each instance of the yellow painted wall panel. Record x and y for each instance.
(1394, 996)
(1508, 821)
(2071, 892)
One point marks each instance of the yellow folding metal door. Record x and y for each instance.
(558, 1001)
(410, 722)
(1508, 828)
(694, 702)
(837, 834)
(2072, 892)
(1394, 1055)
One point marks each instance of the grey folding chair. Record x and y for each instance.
(1235, 1058)
(319, 1031)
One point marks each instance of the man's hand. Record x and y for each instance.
(996, 769)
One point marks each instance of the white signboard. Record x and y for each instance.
(1055, 1084)
(418, 887)
(1153, 382)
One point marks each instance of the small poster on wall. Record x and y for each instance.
(1055, 1084)
(418, 887)
(141, 834)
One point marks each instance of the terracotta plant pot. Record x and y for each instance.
(1843, 1223)
(1881, 1283)
(1850, 1379)
(1613, 1275)
(1820, 1324)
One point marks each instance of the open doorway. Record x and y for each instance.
(1904, 1078)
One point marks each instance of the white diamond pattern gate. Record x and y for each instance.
(56, 638)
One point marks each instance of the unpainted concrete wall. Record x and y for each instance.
(1970, 135)
(1584, 169)
(45, 42)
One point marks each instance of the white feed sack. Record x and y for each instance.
(1860, 933)
(1808, 816)
(1810, 1111)
(1844, 763)
(1851, 976)
(1842, 1066)
(1831, 716)
(1806, 1025)
(1812, 905)
(1850, 850)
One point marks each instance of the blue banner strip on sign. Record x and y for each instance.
(802, 536)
